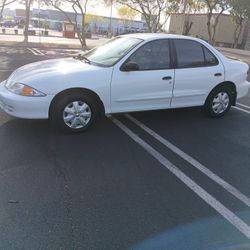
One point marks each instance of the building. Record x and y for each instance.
(20, 14)
(94, 23)
(54, 15)
(224, 34)
(101, 24)
(54, 19)
(7, 12)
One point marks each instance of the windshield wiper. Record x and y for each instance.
(82, 58)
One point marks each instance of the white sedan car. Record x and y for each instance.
(128, 73)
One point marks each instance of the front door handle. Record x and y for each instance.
(217, 74)
(167, 78)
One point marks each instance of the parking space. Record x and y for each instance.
(170, 179)
(55, 52)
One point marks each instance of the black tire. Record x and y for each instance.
(210, 102)
(57, 113)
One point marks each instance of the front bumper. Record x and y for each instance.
(23, 106)
(243, 89)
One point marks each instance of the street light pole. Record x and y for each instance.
(39, 10)
(110, 19)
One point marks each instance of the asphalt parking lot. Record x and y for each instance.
(171, 179)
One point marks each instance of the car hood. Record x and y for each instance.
(43, 69)
(53, 76)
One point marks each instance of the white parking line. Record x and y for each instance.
(202, 193)
(240, 109)
(36, 52)
(39, 52)
(242, 105)
(33, 52)
(235, 192)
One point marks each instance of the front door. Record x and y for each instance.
(150, 86)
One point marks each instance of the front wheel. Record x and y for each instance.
(74, 113)
(219, 102)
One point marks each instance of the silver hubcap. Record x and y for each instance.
(77, 114)
(220, 103)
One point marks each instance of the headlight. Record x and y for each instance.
(23, 90)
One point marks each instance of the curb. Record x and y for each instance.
(240, 52)
(43, 45)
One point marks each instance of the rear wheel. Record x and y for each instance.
(219, 102)
(74, 112)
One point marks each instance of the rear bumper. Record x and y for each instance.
(24, 107)
(243, 89)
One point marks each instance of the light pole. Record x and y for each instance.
(39, 24)
(110, 19)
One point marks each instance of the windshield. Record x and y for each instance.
(112, 51)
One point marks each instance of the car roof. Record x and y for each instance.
(153, 36)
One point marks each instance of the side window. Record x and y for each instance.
(154, 55)
(189, 54)
(210, 59)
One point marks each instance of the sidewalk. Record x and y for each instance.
(237, 54)
(48, 42)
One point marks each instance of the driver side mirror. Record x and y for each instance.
(130, 66)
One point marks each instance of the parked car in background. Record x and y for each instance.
(8, 24)
(31, 30)
(133, 72)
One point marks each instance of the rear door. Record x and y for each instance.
(197, 72)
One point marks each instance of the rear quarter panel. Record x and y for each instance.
(235, 71)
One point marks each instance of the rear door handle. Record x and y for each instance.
(217, 74)
(167, 78)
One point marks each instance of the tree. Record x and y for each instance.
(80, 8)
(218, 6)
(190, 7)
(126, 13)
(3, 4)
(154, 12)
(240, 13)
(108, 2)
(28, 4)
